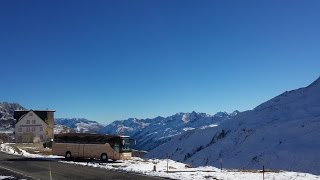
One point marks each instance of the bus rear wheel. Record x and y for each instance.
(104, 157)
(68, 155)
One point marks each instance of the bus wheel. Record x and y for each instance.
(68, 155)
(104, 157)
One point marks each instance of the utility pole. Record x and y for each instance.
(263, 172)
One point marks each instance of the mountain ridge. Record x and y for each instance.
(281, 133)
(150, 133)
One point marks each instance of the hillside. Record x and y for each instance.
(150, 133)
(281, 133)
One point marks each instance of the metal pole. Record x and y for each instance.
(221, 164)
(167, 163)
(263, 172)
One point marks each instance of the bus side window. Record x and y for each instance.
(116, 147)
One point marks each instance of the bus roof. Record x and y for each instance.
(86, 138)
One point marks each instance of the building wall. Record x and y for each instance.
(28, 129)
(50, 127)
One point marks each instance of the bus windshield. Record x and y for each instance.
(125, 145)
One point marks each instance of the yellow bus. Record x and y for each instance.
(84, 145)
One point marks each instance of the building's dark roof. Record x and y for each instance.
(43, 114)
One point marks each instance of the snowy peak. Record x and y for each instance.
(77, 125)
(189, 117)
(226, 115)
(234, 113)
(308, 95)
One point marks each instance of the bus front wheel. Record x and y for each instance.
(68, 155)
(104, 157)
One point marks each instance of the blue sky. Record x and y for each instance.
(110, 60)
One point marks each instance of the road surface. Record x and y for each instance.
(31, 168)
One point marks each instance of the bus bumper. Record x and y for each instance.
(125, 156)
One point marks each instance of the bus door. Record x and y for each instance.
(116, 151)
(81, 149)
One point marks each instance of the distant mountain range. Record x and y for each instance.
(147, 133)
(150, 133)
(282, 133)
(78, 125)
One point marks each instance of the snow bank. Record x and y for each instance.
(180, 171)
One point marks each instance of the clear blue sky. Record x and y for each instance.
(110, 60)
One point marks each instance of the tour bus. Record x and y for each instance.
(84, 145)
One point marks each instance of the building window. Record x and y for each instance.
(28, 121)
(33, 129)
(28, 129)
(41, 128)
(31, 114)
(41, 137)
(19, 138)
(19, 129)
(33, 121)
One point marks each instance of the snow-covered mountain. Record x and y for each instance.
(150, 133)
(76, 125)
(6, 114)
(282, 133)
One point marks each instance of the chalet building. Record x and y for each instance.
(33, 126)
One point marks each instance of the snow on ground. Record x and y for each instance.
(20, 152)
(6, 177)
(8, 149)
(176, 170)
(180, 171)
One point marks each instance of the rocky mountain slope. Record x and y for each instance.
(282, 133)
(6, 114)
(150, 133)
(79, 125)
